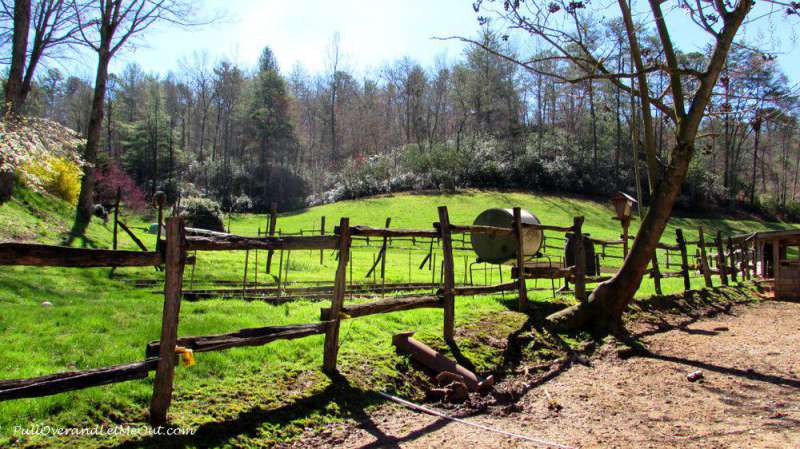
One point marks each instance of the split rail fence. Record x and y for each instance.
(173, 255)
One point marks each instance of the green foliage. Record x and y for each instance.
(268, 394)
(203, 213)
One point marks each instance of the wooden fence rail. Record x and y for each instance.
(74, 380)
(173, 253)
(236, 242)
(245, 337)
(34, 254)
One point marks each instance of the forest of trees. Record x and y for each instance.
(247, 136)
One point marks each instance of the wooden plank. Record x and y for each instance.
(366, 231)
(244, 337)
(368, 287)
(383, 306)
(133, 236)
(704, 258)
(687, 283)
(337, 301)
(74, 380)
(237, 242)
(484, 289)
(448, 275)
(197, 232)
(34, 254)
(174, 264)
(522, 302)
(543, 227)
(478, 229)
(544, 272)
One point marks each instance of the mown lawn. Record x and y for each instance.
(250, 396)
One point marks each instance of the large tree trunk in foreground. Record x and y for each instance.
(606, 304)
(83, 213)
(609, 300)
(19, 49)
(13, 88)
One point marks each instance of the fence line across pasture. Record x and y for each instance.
(173, 253)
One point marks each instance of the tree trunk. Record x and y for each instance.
(19, 49)
(83, 213)
(610, 298)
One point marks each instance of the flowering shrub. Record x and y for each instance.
(32, 142)
(111, 178)
(58, 176)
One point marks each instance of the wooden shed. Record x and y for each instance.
(776, 256)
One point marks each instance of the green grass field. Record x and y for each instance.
(251, 396)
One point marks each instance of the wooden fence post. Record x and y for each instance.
(161, 201)
(273, 222)
(745, 261)
(384, 249)
(722, 264)
(687, 284)
(116, 216)
(523, 291)
(580, 260)
(321, 232)
(174, 263)
(337, 301)
(732, 261)
(704, 259)
(655, 272)
(447, 273)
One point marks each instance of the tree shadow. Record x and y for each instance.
(351, 400)
(688, 308)
(747, 374)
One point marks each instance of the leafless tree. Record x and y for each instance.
(561, 25)
(106, 27)
(38, 29)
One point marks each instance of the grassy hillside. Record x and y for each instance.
(97, 321)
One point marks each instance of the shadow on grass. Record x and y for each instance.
(691, 306)
(351, 400)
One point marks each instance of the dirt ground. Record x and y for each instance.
(749, 395)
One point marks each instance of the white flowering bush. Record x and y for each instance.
(33, 142)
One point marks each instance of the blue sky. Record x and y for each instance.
(372, 32)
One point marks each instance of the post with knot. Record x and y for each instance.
(175, 261)
(448, 276)
(337, 301)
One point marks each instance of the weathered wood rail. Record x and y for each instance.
(33, 254)
(74, 380)
(161, 355)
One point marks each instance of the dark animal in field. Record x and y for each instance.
(100, 212)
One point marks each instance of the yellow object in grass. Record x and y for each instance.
(187, 356)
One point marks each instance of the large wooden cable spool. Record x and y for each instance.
(502, 249)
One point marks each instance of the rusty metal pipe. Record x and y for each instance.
(434, 360)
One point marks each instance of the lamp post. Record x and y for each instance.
(623, 206)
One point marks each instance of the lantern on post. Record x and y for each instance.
(623, 206)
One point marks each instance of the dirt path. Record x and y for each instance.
(749, 396)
